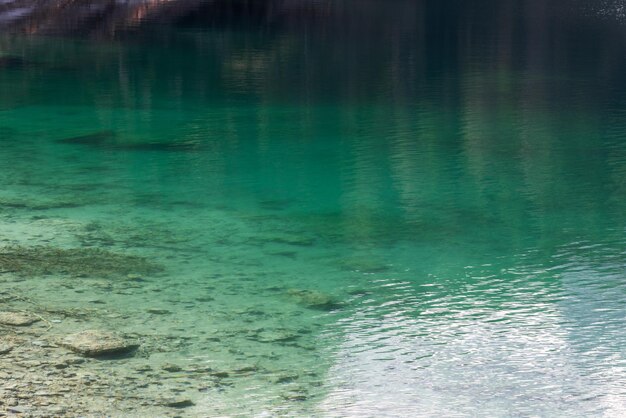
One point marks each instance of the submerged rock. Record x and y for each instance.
(172, 368)
(314, 299)
(79, 262)
(95, 343)
(17, 319)
(177, 402)
(5, 348)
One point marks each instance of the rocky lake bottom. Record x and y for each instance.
(87, 329)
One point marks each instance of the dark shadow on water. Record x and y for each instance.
(93, 139)
(109, 141)
(14, 62)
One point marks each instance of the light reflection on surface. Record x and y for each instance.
(508, 347)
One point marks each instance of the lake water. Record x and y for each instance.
(359, 208)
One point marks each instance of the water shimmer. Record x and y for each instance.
(334, 209)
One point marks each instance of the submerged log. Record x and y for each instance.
(96, 138)
(108, 140)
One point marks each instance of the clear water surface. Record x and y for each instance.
(382, 208)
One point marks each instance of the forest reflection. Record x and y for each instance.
(414, 42)
(428, 93)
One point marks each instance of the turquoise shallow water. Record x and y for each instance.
(406, 221)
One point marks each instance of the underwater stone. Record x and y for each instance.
(94, 343)
(5, 348)
(143, 368)
(177, 402)
(314, 299)
(172, 368)
(17, 319)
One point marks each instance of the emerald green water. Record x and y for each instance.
(406, 213)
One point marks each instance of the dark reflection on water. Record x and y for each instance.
(460, 167)
(302, 51)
